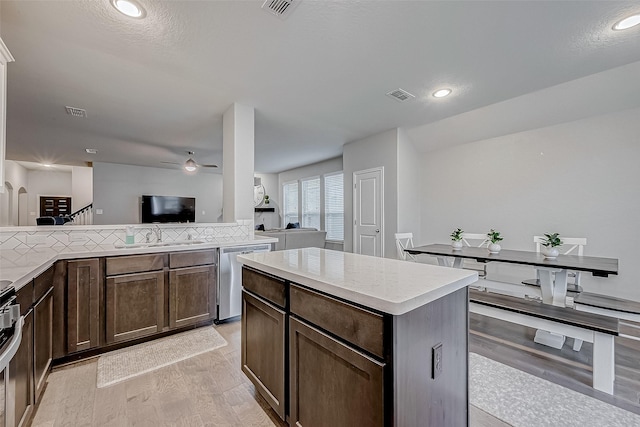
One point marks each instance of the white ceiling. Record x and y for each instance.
(157, 87)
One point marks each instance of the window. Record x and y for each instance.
(290, 202)
(334, 206)
(311, 203)
(316, 202)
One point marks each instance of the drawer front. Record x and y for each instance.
(43, 283)
(134, 264)
(268, 287)
(357, 326)
(190, 259)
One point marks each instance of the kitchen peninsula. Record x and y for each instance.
(82, 291)
(335, 338)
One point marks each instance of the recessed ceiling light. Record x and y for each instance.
(46, 165)
(129, 8)
(441, 93)
(628, 22)
(91, 150)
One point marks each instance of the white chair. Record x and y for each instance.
(570, 246)
(475, 240)
(404, 241)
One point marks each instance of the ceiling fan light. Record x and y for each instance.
(190, 165)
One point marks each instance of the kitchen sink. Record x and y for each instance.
(158, 244)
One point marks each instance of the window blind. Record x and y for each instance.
(290, 202)
(334, 206)
(311, 203)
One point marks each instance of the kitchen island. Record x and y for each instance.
(340, 339)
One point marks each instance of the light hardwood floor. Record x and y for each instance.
(205, 390)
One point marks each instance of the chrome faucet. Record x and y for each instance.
(157, 231)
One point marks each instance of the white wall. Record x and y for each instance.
(374, 151)
(76, 184)
(269, 219)
(81, 187)
(117, 190)
(580, 179)
(409, 162)
(16, 176)
(46, 183)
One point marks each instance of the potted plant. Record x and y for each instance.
(550, 243)
(456, 239)
(494, 237)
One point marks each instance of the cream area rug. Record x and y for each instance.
(524, 400)
(121, 365)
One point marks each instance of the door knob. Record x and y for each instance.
(377, 230)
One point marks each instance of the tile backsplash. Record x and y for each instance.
(61, 237)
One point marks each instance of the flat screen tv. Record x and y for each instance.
(168, 209)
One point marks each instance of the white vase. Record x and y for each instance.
(550, 253)
(456, 245)
(494, 248)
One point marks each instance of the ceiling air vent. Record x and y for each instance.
(400, 95)
(280, 8)
(76, 112)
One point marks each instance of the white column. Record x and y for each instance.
(238, 163)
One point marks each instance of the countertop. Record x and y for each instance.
(387, 285)
(20, 267)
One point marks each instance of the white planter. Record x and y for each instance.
(456, 246)
(494, 248)
(550, 253)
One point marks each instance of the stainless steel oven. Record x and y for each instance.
(10, 336)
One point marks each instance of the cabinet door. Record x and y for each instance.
(192, 295)
(83, 304)
(21, 373)
(263, 351)
(331, 384)
(43, 340)
(135, 306)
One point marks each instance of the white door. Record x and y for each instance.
(368, 227)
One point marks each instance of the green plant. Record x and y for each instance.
(551, 240)
(494, 236)
(456, 235)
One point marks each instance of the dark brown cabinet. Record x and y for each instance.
(84, 286)
(134, 306)
(263, 349)
(192, 287)
(346, 364)
(192, 295)
(331, 383)
(21, 373)
(42, 340)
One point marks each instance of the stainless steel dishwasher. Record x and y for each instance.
(230, 279)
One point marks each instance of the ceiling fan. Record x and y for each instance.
(190, 165)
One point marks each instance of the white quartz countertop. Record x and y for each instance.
(390, 286)
(22, 266)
